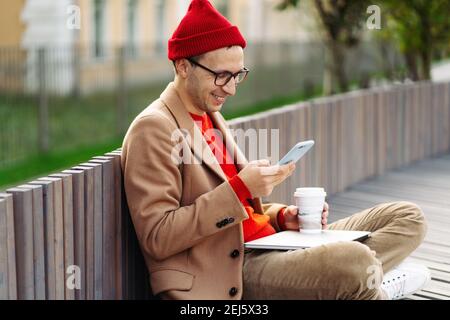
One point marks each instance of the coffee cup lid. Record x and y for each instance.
(310, 191)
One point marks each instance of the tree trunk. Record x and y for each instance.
(329, 85)
(427, 46)
(335, 79)
(426, 64)
(338, 66)
(411, 65)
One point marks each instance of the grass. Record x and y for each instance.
(39, 165)
(73, 122)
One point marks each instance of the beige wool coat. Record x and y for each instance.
(186, 215)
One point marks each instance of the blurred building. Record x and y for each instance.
(79, 45)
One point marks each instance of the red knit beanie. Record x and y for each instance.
(202, 29)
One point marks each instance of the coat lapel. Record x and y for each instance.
(198, 144)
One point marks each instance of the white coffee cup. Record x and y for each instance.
(310, 202)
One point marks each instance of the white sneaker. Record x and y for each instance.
(405, 279)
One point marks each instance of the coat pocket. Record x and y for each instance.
(170, 279)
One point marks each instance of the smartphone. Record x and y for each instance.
(296, 152)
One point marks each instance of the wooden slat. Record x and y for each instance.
(79, 228)
(309, 131)
(38, 240)
(416, 297)
(8, 277)
(429, 295)
(97, 226)
(439, 266)
(119, 254)
(301, 135)
(137, 284)
(58, 233)
(129, 261)
(23, 230)
(89, 205)
(49, 237)
(4, 292)
(109, 230)
(69, 251)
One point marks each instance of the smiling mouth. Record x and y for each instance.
(219, 98)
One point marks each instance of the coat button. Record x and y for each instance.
(219, 224)
(234, 253)
(230, 220)
(233, 291)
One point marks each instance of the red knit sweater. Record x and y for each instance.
(257, 225)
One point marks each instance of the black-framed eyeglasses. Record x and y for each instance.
(222, 78)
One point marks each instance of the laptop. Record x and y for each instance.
(291, 240)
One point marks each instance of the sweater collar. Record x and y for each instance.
(197, 117)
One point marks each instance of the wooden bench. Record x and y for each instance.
(78, 217)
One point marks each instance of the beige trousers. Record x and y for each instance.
(343, 270)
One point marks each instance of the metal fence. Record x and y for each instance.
(52, 99)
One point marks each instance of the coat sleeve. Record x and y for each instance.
(153, 187)
(272, 209)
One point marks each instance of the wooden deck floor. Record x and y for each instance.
(426, 183)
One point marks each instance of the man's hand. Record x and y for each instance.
(291, 220)
(325, 216)
(260, 178)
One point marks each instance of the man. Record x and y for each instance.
(195, 201)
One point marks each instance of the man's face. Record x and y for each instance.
(205, 95)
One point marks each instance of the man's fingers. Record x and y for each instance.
(287, 169)
(270, 170)
(292, 210)
(261, 162)
(277, 170)
(264, 162)
(279, 179)
(325, 214)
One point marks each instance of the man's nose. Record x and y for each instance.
(230, 87)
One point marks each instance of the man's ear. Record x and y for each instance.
(182, 66)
